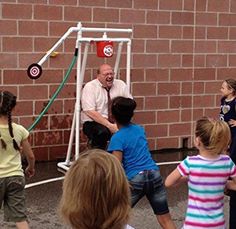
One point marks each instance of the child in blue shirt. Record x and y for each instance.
(130, 146)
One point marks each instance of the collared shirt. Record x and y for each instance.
(94, 97)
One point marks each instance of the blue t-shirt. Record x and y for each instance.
(131, 141)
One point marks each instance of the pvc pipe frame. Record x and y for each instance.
(81, 70)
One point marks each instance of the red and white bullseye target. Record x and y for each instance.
(104, 48)
(34, 71)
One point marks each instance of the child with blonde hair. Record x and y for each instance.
(96, 193)
(13, 142)
(207, 175)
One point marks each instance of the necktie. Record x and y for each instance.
(110, 119)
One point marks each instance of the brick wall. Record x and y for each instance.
(181, 52)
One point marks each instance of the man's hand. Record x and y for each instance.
(112, 127)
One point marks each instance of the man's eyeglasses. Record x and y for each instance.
(108, 74)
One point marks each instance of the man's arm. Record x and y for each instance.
(97, 117)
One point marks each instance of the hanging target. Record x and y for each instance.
(34, 71)
(104, 48)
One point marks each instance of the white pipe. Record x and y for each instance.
(128, 65)
(72, 134)
(43, 182)
(106, 30)
(118, 58)
(54, 47)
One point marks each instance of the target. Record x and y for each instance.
(108, 50)
(34, 71)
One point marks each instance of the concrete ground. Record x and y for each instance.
(42, 202)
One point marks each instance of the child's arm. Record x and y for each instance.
(118, 155)
(231, 184)
(27, 151)
(174, 178)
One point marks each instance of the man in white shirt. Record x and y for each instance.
(96, 96)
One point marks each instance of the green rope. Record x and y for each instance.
(54, 95)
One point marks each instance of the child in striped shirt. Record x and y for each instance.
(207, 175)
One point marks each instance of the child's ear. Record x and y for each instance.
(197, 141)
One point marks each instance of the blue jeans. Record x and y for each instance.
(149, 183)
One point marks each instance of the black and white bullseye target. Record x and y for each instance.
(34, 71)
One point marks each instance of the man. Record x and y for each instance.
(95, 101)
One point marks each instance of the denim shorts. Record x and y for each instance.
(12, 198)
(149, 183)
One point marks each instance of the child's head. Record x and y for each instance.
(228, 87)
(123, 109)
(7, 103)
(213, 134)
(96, 192)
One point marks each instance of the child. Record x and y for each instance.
(96, 193)
(13, 141)
(130, 146)
(228, 114)
(207, 175)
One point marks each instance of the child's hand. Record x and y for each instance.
(232, 122)
(29, 172)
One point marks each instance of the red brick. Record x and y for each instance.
(205, 46)
(213, 87)
(73, 13)
(32, 1)
(165, 60)
(227, 19)
(224, 73)
(48, 138)
(170, 31)
(42, 124)
(168, 88)
(44, 12)
(148, 4)
(178, 46)
(182, 18)
(217, 32)
(216, 61)
(170, 4)
(165, 143)
(204, 74)
(188, 32)
(198, 88)
(157, 46)
(69, 105)
(105, 15)
(61, 122)
(59, 28)
(33, 92)
(15, 77)
(61, 61)
(137, 75)
(140, 103)
(189, 5)
(232, 60)
(16, 11)
(203, 101)
(151, 143)
(129, 16)
(157, 75)
(180, 74)
(8, 27)
(43, 44)
(187, 60)
(55, 108)
(27, 59)
(218, 5)
(187, 88)
(67, 92)
(92, 3)
(233, 7)
(206, 19)
(158, 17)
(156, 103)
(24, 108)
(200, 32)
(65, 2)
(145, 31)
(200, 61)
(212, 112)
(138, 46)
(170, 116)
(33, 28)
(145, 117)
(181, 129)
(197, 113)
(8, 60)
(57, 152)
(156, 130)
(232, 33)
(185, 115)
(26, 121)
(226, 47)
(144, 60)
(201, 5)
(144, 89)
(180, 102)
(119, 4)
(17, 44)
